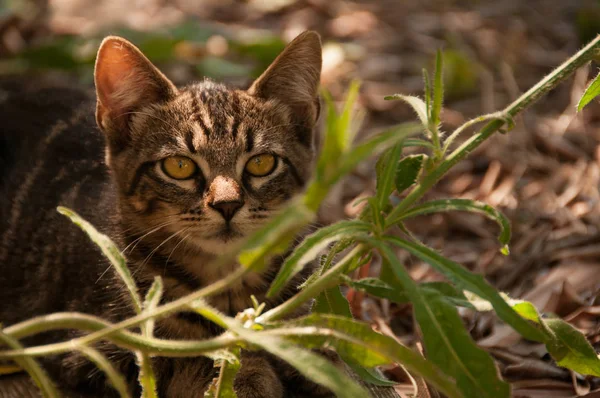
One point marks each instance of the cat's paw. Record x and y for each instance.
(257, 379)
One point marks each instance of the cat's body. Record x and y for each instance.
(186, 174)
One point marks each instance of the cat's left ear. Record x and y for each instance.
(125, 82)
(293, 78)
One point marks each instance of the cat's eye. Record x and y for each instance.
(179, 167)
(261, 165)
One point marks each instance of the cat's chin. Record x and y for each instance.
(217, 246)
(219, 243)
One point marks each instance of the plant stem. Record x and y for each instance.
(122, 338)
(311, 291)
(532, 95)
(159, 312)
(32, 368)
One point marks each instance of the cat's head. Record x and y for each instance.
(206, 162)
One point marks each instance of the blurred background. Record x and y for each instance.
(544, 174)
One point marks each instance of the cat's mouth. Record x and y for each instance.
(226, 233)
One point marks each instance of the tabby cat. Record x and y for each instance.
(175, 176)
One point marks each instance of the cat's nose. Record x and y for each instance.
(225, 196)
(227, 209)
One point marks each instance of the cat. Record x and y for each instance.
(175, 176)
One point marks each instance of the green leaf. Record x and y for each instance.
(356, 341)
(418, 105)
(407, 171)
(567, 345)
(438, 90)
(332, 301)
(378, 288)
(472, 206)
(591, 92)
(110, 250)
(386, 172)
(369, 375)
(571, 349)
(467, 280)
(310, 248)
(447, 342)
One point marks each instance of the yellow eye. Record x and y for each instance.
(261, 165)
(179, 167)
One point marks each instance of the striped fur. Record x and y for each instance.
(113, 177)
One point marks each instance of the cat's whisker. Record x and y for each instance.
(134, 243)
(154, 220)
(181, 240)
(156, 248)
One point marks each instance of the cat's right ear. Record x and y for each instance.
(126, 81)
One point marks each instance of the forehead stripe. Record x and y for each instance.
(249, 139)
(236, 120)
(189, 141)
(197, 115)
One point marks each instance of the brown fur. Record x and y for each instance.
(166, 227)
